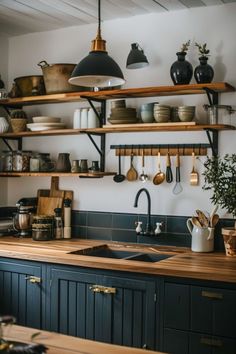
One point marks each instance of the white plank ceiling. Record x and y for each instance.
(26, 16)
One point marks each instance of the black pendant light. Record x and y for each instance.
(97, 69)
(136, 58)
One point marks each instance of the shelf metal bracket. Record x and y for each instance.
(19, 143)
(213, 96)
(213, 140)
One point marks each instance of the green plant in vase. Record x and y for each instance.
(181, 71)
(203, 73)
(220, 178)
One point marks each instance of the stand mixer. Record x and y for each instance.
(22, 220)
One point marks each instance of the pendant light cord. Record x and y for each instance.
(99, 17)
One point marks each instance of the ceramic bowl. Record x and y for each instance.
(161, 118)
(118, 104)
(186, 116)
(45, 119)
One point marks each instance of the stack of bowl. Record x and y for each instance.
(146, 112)
(120, 114)
(161, 113)
(186, 113)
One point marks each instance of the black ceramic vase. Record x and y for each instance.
(181, 71)
(203, 73)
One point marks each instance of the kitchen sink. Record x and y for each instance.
(107, 252)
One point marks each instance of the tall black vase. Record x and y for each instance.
(181, 71)
(203, 73)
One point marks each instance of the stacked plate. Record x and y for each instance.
(45, 123)
(123, 115)
(161, 113)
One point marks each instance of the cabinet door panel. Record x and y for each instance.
(213, 311)
(176, 306)
(18, 296)
(175, 342)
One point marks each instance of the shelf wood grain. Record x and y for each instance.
(190, 89)
(57, 174)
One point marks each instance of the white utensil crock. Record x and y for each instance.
(202, 237)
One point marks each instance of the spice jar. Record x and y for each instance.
(17, 161)
(7, 161)
(26, 160)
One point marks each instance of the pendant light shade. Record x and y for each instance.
(97, 69)
(136, 58)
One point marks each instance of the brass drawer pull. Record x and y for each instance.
(33, 279)
(102, 289)
(212, 342)
(212, 295)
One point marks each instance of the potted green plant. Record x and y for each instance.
(203, 73)
(220, 177)
(18, 120)
(12, 347)
(181, 71)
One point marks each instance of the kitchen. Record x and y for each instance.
(102, 208)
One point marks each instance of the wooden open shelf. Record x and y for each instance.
(172, 90)
(120, 128)
(57, 174)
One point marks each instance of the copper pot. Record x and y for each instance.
(30, 85)
(56, 77)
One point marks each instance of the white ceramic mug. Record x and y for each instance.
(202, 237)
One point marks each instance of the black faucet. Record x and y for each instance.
(149, 230)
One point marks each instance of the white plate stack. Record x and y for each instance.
(45, 123)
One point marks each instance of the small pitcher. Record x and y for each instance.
(63, 163)
(202, 237)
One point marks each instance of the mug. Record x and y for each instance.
(75, 166)
(95, 166)
(83, 165)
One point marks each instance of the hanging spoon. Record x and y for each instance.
(177, 188)
(131, 174)
(143, 177)
(119, 177)
(169, 175)
(194, 177)
(159, 176)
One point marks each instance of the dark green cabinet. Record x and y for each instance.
(20, 291)
(116, 309)
(199, 319)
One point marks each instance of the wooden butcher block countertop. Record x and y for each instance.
(61, 344)
(184, 263)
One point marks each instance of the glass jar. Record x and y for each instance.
(26, 155)
(34, 163)
(7, 161)
(17, 161)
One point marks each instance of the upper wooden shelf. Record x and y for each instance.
(122, 93)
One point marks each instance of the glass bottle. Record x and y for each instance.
(58, 224)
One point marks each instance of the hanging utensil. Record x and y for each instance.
(194, 177)
(169, 175)
(143, 177)
(178, 187)
(159, 176)
(119, 177)
(131, 174)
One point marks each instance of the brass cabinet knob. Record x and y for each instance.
(33, 279)
(212, 295)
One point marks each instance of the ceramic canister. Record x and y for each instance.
(4, 125)
(202, 237)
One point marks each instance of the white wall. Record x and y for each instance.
(4, 77)
(161, 36)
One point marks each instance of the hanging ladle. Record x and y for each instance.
(143, 177)
(119, 177)
(159, 176)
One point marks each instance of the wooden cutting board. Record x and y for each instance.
(54, 191)
(46, 205)
(54, 196)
